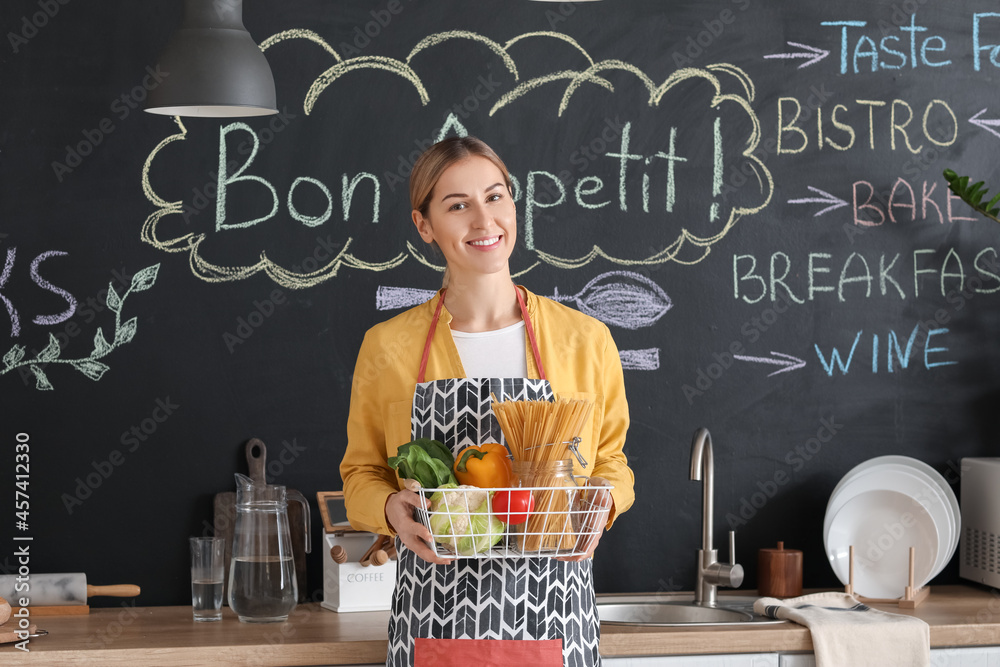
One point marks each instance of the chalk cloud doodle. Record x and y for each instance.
(688, 238)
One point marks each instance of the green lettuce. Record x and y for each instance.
(427, 461)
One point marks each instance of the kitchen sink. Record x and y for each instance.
(673, 609)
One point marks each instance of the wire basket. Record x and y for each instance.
(565, 521)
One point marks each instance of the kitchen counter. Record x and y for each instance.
(126, 635)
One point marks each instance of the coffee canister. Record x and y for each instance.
(779, 572)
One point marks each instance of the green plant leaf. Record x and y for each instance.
(51, 350)
(114, 301)
(101, 345)
(92, 369)
(41, 382)
(975, 194)
(126, 333)
(144, 279)
(13, 356)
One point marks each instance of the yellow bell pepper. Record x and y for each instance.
(485, 466)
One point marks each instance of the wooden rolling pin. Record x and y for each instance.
(59, 589)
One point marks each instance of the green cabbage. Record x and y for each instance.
(460, 519)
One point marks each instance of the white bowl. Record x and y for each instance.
(882, 526)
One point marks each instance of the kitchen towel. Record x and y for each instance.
(847, 632)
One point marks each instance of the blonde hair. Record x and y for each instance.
(436, 159)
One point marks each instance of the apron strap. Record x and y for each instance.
(531, 333)
(430, 338)
(527, 325)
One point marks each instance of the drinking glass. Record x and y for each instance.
(207, 571)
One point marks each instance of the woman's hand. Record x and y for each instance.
(415, 535)
(597, 503)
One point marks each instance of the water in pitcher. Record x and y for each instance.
(262, 588)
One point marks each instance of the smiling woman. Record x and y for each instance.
(493, 338)
(463, 204)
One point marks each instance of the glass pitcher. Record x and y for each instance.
(262, 586)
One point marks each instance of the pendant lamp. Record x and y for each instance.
(212, 66)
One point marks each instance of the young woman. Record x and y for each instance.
(479, 335)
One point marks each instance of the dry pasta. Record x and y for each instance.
(538, 432)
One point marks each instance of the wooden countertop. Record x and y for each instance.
(958, 616)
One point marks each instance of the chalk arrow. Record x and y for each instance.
(988, 125)
(813, 54)
(789, 362)
(827, 198)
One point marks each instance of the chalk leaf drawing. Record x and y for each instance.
(89, 365)
(730, 95)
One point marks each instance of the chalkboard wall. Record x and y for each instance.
(748, 193)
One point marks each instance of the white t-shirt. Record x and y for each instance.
(493, 354)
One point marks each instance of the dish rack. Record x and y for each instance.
(565, 521)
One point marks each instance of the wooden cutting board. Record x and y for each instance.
(225, 519)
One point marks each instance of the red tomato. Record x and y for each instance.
(513, 507)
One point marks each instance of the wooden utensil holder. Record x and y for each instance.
(912, 596)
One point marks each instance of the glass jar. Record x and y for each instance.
(549, 528)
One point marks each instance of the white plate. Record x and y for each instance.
(882, 526)
(919, 468)
(904, 479)
(908, 461)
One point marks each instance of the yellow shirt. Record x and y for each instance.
(580, 360)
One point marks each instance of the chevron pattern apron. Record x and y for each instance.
(484, 598)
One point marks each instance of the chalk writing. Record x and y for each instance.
(843, 136)
(895, 354)
(921, 52)
(214, 273)
(89, 365)
(978, 47)
(855, 275)
(12, 312)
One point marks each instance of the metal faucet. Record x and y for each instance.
(711, 573)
